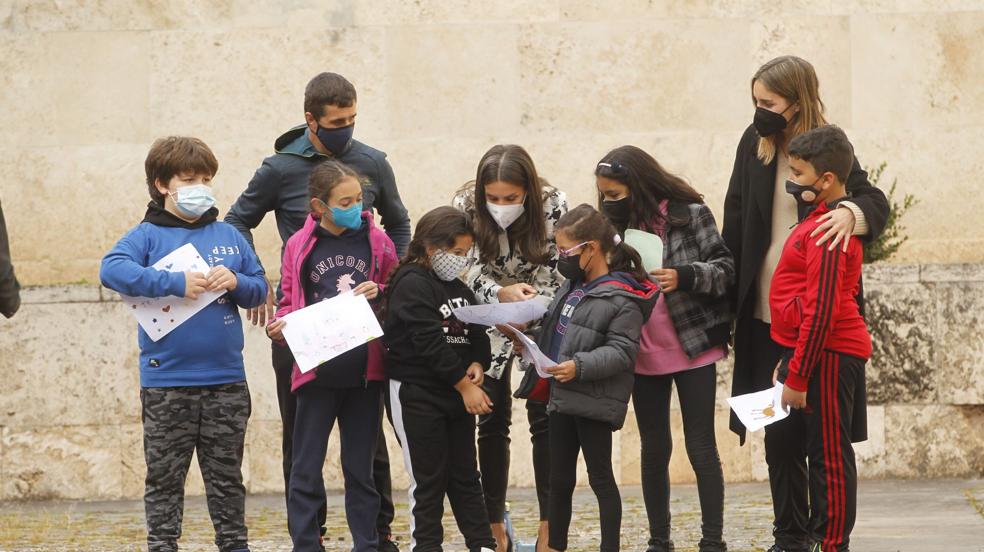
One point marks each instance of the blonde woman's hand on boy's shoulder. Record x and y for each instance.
(837, 224)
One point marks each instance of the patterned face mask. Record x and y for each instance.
(447, 265)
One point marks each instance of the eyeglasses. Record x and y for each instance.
(611, 169)
(569, 252)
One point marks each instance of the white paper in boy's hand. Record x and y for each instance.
(649, 246)
(159, 316)
(519, 312)
(324, 330)
(759, 409)
(533, 355)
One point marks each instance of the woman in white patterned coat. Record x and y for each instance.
(515, 259)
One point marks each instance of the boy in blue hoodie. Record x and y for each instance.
(192, 381)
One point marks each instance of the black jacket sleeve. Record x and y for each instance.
(414, 303)
(731, 230)
(259, 198)
(481, 347)
(9, 287)
(395, 219)
(869, 199)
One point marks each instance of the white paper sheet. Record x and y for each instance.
(649, 246)
(533, 355)
(159, 316)
(519, 312)
(324, 330)
(759, 409)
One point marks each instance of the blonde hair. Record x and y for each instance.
(794, 79)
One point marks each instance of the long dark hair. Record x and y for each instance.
(512, 164)
(584, 223)
(648, 182)
(440, 227)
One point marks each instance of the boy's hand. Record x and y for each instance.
(258, 316)
(564, 372)
(275, 329)
(667, 278)
(221, 278)
(838, 224)
(368, 288)
(195, 284)
(792, 398)
(475, 373)
(476, 401)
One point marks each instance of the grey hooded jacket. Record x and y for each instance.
(603, 339)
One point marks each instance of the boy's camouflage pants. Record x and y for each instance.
(177, 421)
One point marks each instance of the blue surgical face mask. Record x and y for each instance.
(336, 140)
(193, 201)
(350, 218)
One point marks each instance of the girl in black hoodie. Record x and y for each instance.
(435, 365)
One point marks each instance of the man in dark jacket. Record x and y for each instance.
(9, 288)
(281, 185)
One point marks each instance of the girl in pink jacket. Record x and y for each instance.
(339, 250)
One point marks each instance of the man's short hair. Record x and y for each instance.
(327, 89)
(176, 155)
(827, 149)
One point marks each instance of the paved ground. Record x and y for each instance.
(893, 516)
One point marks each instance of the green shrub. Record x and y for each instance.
(884, 246)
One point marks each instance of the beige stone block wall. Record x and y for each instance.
(91, 84)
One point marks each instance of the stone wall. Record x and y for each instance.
(86, 86)
(70, 410)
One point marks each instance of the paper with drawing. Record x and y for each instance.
(324, 330)
(759, 409)
(160, 315)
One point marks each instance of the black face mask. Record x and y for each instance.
(618, 211)
(768, 122)
(570, 268)
(803, 205)
(336, 140)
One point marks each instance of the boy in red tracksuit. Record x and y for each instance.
(816, 318)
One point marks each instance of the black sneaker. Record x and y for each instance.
(386, 544)
(659, 545)
(712, 546)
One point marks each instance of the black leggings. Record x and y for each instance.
(651, 398)
(493, 446)
(570, 435)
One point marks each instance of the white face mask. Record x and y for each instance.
(193, 200)
(505, 215)
(447, 265)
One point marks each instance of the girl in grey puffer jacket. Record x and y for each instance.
(592, 331)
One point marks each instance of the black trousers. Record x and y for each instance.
(357, 412)
(493, 447)
(570, 435)
(801, 492)
(283, 365)
(438, 440)
(651, 398)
